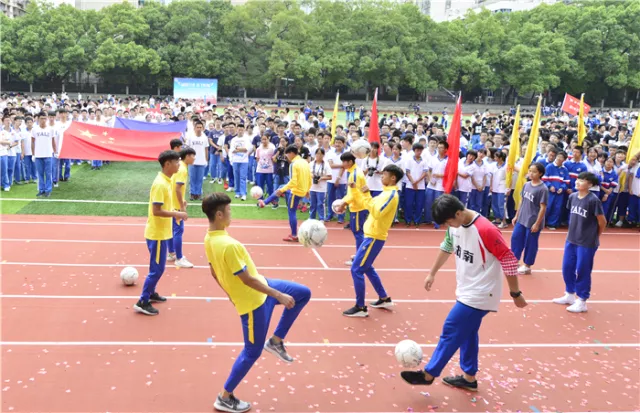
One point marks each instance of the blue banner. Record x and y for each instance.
(130, 124)
(206, 89)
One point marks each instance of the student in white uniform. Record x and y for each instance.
(466, 168)
(200, 143)
(43, 146)
(372, 167)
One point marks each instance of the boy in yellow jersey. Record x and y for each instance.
(253, 296)
(296, 189)
(179, 192)
(357, 213)
(382, 210)
(158, 230)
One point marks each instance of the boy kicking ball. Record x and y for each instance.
(253, 296)
(586, 224)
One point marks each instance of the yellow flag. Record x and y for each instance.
(528, 156)
(334, 118)
(514, 150)
(634, 148)
(582, 130)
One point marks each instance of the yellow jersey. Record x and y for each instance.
(300, 173)
(354, 175)
(382, 211)
(181, 177)
(228, 257)
(160, 228)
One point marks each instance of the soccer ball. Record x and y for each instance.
(335, 205)
(129, 276)
(312, 233)
(360, 148)
(408, 353)
(256, 192)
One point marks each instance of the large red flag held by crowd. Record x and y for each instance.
(374, 126)
(92, 142)
(451, 170)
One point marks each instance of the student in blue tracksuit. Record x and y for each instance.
(609, 183)
(575, 166)
(556, 178)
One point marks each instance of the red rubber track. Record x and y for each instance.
(532, 362)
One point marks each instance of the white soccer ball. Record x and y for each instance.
(312, 233)
(256, 192)
(129, 276)
(408, 353)
(360, 148)
(335, 205)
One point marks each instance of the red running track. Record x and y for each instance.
(70, 341)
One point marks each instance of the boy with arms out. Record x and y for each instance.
(179, 192)
(586, 224)
(482, 257)
(158, 231)
(253, 296)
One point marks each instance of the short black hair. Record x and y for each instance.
(291, 149)
(540, 167)
(175, 143)
(167, 156)
(418, 146)
(213, 203)
(394, 170)
(186, 151)
(589, 177)
(445, 208)
(348, 157)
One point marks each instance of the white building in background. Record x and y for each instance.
(100, 4)
(442, 10)
(13, 8)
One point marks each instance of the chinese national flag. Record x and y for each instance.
(453, 158)
(374, 127)
(92, 142)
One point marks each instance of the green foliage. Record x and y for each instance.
(589, 46)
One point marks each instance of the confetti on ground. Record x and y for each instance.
(533, 409)
(605, 346)
(173, 294)
(209, 340)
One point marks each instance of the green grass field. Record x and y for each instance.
(116, 183)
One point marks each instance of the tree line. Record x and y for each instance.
(322, 46)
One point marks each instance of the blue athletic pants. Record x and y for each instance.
(157, 263)
(356, 222)
(363, 265)
(175, 243)
(554, 210)
(577, 263)
(317, 210)
(196, 176)
(292, 208)
(255, 326)
(523, 239)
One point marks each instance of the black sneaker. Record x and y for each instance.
(461, 383)
(231, 405)
(157, 298)
(40, 194)
(356, 311)
(386, 303)
(416, 378)
(145, 308)
(278, 350)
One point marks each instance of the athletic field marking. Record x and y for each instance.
(284, 244)
(345, 268)
(317, 254)
(224, 299)
(92, 201)
(311, 344)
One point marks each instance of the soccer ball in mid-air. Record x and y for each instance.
(360, 148)
(408, 353)
(129, 276)
(256, 192)
(312, 233)
(335, 205)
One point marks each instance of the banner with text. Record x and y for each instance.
(205, 89)
(571, 105)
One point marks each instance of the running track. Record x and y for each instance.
(71, 342)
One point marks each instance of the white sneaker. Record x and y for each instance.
(566, 299)
(523, 269)
(213, 181)
(503, 226)
(580, 306)
(230, 189)
(619, 224)
(220, 181)
(237, 196)
(54, 185)
(183, 263)
(243, 198)
(348, 263)
(171, 257)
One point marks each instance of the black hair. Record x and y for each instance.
(375, 145)
(500, 155)
(186, 151)
(472, 152)
(579, 148)
(540, 167)
(175, 143)
(168, 156)
(291, 149)
(589, 177)
(348, 156)
(445, 143)
(321, 150)
(445, 208)
(198, 122)
(213, 203)
(418, 146)
(395, 171)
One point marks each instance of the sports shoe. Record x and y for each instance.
(503, 226)
(566, 299)
(416, 378)
(171, 257)
(290, 238)
(523, 269)
(213, 181)
(278, 350)
(156, 298)
(231, 405)
(183, 263)
(348, 263)
(580, 306)
(243, 198)
(461, 383)
(230, 189)
(237, 196)
(386, 303)
(356, 311)
(145, 308)
(275, 206)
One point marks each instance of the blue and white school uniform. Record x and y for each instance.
(498, 189)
